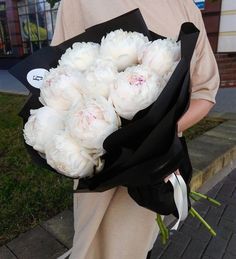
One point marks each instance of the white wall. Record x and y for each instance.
(227, 31)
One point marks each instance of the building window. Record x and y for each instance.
(200, 4)
(37, 21)
(5, 46)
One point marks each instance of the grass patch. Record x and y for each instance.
(201, 127)
(29, 194)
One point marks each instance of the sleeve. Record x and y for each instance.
(58, 35)
(69, 22)
(204, 73)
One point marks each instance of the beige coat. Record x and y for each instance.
(110, 225)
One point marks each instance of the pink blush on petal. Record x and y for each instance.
(49, 82)
(137, 80)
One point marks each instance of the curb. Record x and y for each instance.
(24, 93)
(207, 159)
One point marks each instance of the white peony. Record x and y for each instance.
(168, 75)
(160, 55)
(122, 47)
(91, 121)
(62, 87)
(41, 126)
(135, 89)
(80, 56)
(68, 157)
(100, 76)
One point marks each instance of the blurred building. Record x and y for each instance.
(27, 25)
(220, 22)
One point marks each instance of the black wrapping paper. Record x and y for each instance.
(146, 149)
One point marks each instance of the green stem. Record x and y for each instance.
(165, 229)
(193, 197)
(209, 228)
(213, 201)
(200, 195)
(162, 229)
(191, 213)
(158, 219)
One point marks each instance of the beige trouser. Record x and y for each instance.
(110, 225)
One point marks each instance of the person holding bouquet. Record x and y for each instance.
(110, 225)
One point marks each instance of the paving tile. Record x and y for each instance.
(36, 244)
(194, 250)
(230, 180)
(227, 189)
(217, 211)
(216, 247)
(180, 239)
(214, 215)
(62, 227)
(234, 195)
(232, 245)
(175, 250)
(214, 191)
(223, 133)
(231, 122)
(232, 176)
(10, 84)
(5, 253)
(225, 130)
(203, 153)
(230, 212)
(223, 115)
(191, 221)
(158, 249)
(202, 207)
(228, 256)
(226, 199)
(223, 232)
(226, 223)
(201, 233)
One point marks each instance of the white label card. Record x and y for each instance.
(35, 77)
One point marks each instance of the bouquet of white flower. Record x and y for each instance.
(104, 107)
(90, 91)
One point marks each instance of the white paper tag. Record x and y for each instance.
(35, 77)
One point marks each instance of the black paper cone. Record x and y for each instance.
(146, 149)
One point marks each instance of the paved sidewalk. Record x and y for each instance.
(193, 241)
(213, 156)
(225, 100)
(9, 84)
